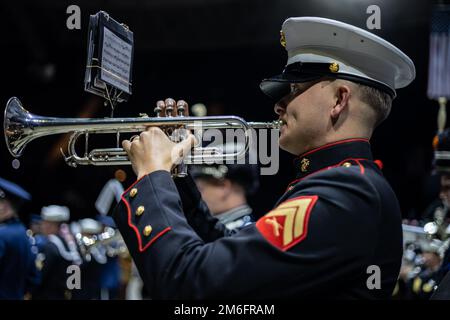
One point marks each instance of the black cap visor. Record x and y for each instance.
(279, 86)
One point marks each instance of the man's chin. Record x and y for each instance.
(286, 146)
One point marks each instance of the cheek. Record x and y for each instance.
(300, 118)
(301, 109)
(205, 194)
(314, 113)
(210, 194)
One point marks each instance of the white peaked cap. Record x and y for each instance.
(55, 213)
(319, 47)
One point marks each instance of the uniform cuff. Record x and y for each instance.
(142, 204)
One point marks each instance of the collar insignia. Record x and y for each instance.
(304, 164)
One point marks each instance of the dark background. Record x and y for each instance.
(209, 51)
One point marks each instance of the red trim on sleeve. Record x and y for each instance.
(155, 238)
(135, 229)
(133, 184)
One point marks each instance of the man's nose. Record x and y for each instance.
(279, 110)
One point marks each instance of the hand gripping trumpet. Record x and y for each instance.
(21, 127)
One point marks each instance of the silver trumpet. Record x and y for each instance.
(21, 127)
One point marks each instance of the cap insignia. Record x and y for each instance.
(282, 39)
(334, 67)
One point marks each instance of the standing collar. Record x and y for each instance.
(331, 154)
(234, 214)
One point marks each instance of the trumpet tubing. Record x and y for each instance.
(21, 127)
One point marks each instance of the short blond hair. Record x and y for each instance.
(379, 101)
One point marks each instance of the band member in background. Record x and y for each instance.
(94, 260)
(58, 254)
(438, 210)
(35, 229)
(421, 276)
(338, 217)
(422, 283)
(441, 217)
(225, 189)
(18, 272)
(110, 274)
(214, 197)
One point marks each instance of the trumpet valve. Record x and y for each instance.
(158, 108)
(181, 107)
(170, 104)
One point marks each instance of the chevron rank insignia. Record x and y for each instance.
(287, 224)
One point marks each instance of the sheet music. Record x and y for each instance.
(116, 61)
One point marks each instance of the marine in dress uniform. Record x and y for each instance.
(337, 218)
(18, 273)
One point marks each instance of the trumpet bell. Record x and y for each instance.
(15, 127)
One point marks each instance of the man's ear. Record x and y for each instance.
(342, 96)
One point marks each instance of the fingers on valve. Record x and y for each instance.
(182, 108)
(160, 108)
(170, 107)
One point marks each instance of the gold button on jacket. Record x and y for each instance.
(147, 230)
(133, 192)
(140, 210)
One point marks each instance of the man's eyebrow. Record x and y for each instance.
(303, 85)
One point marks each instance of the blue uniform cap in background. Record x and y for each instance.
(35, 218)
(9, 189)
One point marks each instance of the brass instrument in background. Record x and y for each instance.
(110, 240)
(21, 127)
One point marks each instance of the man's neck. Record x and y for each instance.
(234, 200)
(333, 138)
(6, 217)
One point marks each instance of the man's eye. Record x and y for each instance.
(296, 90)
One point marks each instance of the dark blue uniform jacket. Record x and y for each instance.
(18, 272)
(337, 222)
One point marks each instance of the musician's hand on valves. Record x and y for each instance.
(152, 150)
